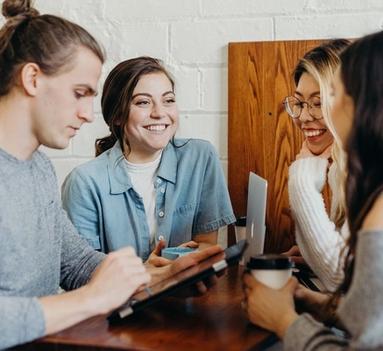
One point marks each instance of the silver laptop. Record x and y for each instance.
(256, 215)
(256, 227)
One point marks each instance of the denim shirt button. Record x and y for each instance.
(159, 181)
(161, 237)
(162, 190)
(161, 214)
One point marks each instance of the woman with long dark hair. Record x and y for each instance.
(357, 114)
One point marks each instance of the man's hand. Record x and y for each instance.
(116, 279)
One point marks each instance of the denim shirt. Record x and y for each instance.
(191, 198)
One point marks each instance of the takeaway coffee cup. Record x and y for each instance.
(240, 232)
(271, 270)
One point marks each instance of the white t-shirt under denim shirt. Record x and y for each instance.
(143, 176)
(191, 198)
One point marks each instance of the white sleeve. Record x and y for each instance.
(319, 240)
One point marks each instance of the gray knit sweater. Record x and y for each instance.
(39, 247)
(361, 310)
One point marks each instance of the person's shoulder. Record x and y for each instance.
(47, 172)
(199, 146)
(43, 161)
(94, 169)
(41, 158)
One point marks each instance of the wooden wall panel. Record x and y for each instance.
(262, 137)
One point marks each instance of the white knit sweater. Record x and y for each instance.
(319, 240)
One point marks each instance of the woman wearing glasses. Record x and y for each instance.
(357, 115)
(320, 236)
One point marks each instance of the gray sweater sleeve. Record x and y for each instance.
(78, 258)
(40, 249)
(22, 314)
(361, 310)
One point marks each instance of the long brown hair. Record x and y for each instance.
(362, 76)
(117, 97)
(47, 40)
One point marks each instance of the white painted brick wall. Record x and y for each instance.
(349, 25)
(151, 10)
(214, 89)
(191, 36)
(204, 41)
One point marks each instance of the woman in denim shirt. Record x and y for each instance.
(146, 189)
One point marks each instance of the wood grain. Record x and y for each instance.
(214, 321)
(262, 137)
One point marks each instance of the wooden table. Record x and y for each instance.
(214, 321)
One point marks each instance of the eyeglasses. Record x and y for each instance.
(294, 107)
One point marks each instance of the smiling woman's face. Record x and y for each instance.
(153, 117)
(316, 133)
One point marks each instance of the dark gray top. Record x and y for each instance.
(361, 310)
(40, 249)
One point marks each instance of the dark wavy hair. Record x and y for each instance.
(362, 76)
(117, 96)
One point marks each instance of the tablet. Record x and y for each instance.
(187, 277)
